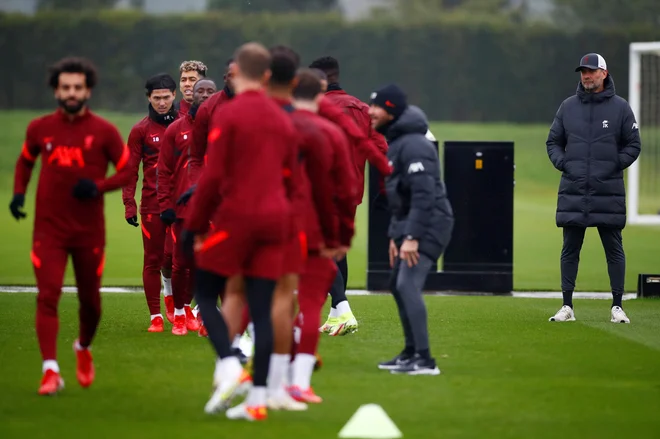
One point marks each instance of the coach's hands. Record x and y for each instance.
(168, 216)
(133, 221)
(410, 251)
(85, 189)
(185, 197)
(394, 252)
(16, 206)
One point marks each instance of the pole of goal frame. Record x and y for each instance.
(634, 81)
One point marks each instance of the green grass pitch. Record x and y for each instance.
(506, 371)
(537, 241)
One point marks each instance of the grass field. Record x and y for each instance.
(506, 373)
(537, 242)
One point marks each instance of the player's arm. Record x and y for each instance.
(345, 189)
(556, 142)
(135, 142)
(166, 165)
(318, 164)
(117, 153)
(207, 195)
(630, 139)
(420, 169)
(23, 170)
(199, 144)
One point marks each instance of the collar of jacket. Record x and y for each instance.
(608, 91)
(193, 111)
(334, 87)
(163, 119)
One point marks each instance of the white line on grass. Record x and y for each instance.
(532, 294)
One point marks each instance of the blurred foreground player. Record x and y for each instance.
(76, 147)
(366, 144)
(144, 143)
(315, 221)
(173, 181)
(246, 189)
(329, 233)
(421, 224)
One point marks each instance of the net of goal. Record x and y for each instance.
(643, 179)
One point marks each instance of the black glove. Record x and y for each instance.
(168, 216)
(185, 197)
(187, 239)
(85, 189)
(16, 206)
(133, 221)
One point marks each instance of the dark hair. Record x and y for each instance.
(229, 61)
(73, 65)
(320, 73)
(253, 60)
(159, 82)
(204, 79)
(309, 85)
(283, 65)
(328, 65)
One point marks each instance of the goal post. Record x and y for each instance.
(643, 176)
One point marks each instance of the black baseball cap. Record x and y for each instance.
(592, 61)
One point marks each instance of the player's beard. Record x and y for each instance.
(72, 108)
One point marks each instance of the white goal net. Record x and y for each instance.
(643, 185)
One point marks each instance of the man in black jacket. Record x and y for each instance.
(593, 138)
(421, 224)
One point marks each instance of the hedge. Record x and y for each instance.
(458, 70)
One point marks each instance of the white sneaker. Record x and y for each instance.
(227, 379)
(565, 314)
(619, 316)
(281, 400)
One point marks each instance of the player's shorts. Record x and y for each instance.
(246, 248)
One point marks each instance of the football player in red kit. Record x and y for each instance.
(173, 181)
(76, 147)
(320, 271)
(366, 144)
(144, 142)
(247, 190)
(314, 197)
(189, 73)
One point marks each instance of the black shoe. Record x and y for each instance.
(395, 362)
(240, 355)
(417, 366)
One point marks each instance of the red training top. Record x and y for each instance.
(144, 143)
(71, 149)
(174, 165)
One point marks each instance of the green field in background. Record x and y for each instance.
(537, 241)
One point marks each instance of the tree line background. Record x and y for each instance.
(462, 60)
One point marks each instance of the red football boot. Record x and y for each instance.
(51, 383)
(191, 321)
(157, 325)
(169, 308)
(179, 327)
(85, 366)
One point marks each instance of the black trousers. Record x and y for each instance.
(613, 246)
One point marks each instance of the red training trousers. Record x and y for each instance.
(168, 257)
(49, 259)
(153, 240)
(315, 282)
(181, 269)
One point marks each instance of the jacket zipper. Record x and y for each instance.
(591, 130)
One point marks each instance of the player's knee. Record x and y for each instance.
(47, 303)
(153, 261)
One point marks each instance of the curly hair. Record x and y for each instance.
(193, 66)
(73, 65)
